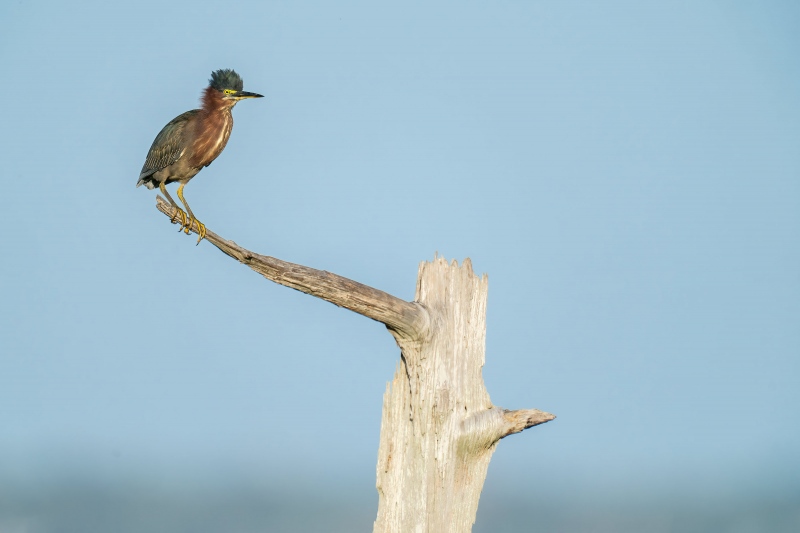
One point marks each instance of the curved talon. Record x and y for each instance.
(201, 229)
(202, 233)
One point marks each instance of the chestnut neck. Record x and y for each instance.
(213, 102)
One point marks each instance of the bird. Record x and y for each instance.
(192, 141)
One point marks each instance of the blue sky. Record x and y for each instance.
(627, 173)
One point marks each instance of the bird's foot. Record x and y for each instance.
(201, 233)
(179, 213)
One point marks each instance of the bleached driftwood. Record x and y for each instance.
(439, 427)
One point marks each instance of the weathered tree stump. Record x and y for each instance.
(439, 427)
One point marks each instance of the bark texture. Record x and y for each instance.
(439, 427)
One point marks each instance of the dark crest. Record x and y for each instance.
(226, 78)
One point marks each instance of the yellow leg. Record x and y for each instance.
(178, 211)
(188, 226)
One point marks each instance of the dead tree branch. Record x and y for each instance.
(406, 318)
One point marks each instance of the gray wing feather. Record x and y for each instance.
(167, 147)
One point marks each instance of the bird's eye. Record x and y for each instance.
(229, 91)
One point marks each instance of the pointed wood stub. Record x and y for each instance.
(433, 456)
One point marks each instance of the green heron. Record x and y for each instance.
(194, 140)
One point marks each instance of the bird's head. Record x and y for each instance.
(229, 86)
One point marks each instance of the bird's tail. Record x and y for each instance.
(147, 182)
